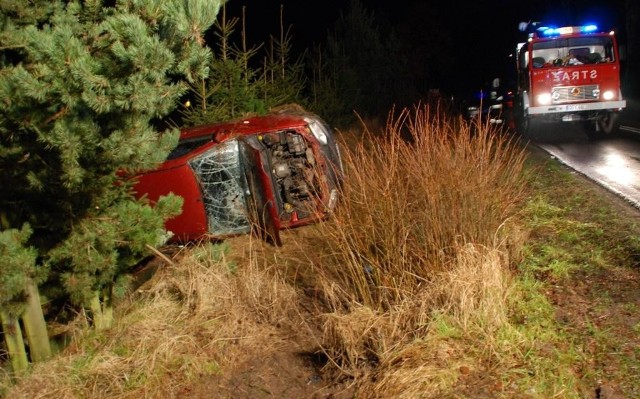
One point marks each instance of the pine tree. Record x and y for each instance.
(237, 86)
(283, 79)
(83, 88)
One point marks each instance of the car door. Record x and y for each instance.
(261, 199)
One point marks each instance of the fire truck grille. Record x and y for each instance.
(574, 93)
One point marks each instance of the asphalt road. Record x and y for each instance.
(613, 162)
(630, 117)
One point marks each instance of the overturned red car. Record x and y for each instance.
(261, 174)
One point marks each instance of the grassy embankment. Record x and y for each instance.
(441, 274)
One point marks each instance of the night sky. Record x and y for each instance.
(479, 35)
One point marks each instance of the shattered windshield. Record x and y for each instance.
(223, 186)
(572, 51)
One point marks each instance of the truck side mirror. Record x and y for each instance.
(622, 52)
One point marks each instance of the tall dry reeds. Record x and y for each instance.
(423, 230)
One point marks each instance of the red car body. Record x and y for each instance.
(270, 172)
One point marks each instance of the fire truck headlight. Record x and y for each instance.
(608, 95)
(544, 99)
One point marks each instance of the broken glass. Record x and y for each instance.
(224, 189)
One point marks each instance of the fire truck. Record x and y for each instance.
(567, 74)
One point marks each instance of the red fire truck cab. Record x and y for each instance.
(569, 74)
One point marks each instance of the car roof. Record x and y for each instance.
(247, 126)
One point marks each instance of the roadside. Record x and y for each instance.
(629, 117)
(588, 258)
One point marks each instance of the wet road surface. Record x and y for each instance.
(612, 162)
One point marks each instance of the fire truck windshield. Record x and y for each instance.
(560, 52)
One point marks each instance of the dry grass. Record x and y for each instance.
(196, 319)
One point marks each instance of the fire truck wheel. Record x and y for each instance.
(607, 124)
(529, 128)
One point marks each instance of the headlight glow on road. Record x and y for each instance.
(617, 169)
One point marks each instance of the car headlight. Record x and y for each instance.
(608, 95)
(317, 130)
(544, 99)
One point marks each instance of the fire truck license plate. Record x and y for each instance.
(576, 107)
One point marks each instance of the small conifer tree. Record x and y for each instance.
(239, 84)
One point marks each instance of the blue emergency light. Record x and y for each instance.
(566, 30)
